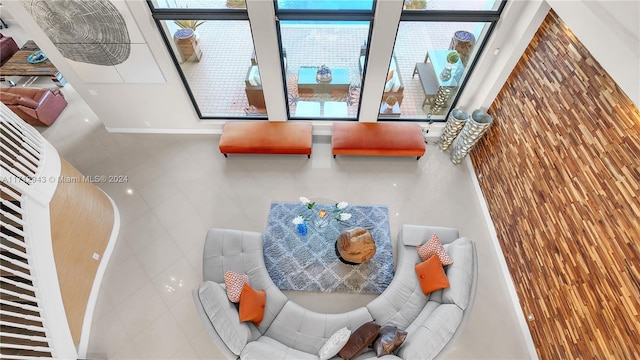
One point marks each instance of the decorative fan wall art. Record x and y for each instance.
(100, 39)
(92, 32)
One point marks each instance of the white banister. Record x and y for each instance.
(18, 305)
(21, 315)
(21, 296)
(16, 273)
(29, 284)
(25, 337)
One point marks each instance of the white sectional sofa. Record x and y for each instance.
(289, 331)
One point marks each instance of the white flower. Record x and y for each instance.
(341, 205)
(304, 200)
(298, 220)
(344, 216)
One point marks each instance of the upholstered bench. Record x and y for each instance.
(377, 139)
(265, 137)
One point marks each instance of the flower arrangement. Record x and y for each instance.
(323, 74)
(319, 217)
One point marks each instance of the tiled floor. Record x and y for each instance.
(179, 186)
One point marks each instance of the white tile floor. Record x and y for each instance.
(180, 185)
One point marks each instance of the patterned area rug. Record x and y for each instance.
(309, 263)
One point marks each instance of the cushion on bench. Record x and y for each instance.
(381, 139)
(266, 138)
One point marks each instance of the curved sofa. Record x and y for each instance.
(289, 331)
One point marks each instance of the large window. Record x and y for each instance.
(325, 56)
(212, 47)
(324, 48)
(434, 53)
(429, 64)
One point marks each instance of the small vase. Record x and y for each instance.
(445, 75)
(302, 229)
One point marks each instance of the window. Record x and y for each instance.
(333, 49)
(436, 46)
(212, 46)
(324, 41)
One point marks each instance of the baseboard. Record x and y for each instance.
(502, 263)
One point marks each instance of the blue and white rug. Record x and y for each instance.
(309, 262)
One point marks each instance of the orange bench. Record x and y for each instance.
(377, 139)
(266, 137)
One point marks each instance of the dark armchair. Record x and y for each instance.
(38, 107)
(8, 47)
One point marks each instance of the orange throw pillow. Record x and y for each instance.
(434, 247)
(390, 75)
(252, 304)
(431, 275)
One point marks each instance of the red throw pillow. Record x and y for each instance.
(234, 283)
(434, 247)
(252, 303)
(359, 340)
(431, 275)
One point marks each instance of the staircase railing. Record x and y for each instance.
(33, 323)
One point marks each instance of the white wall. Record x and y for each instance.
(608, 28)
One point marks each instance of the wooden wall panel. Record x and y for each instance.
(561, 175)
(82, 219)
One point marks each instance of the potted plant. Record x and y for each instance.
(189, 24)
(452, 58)
(186, 38)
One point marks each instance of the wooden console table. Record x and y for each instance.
(18, 65)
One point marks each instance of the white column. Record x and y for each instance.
(383, 37)
(265, 40)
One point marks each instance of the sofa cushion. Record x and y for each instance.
(434, 247)
(333, 345)
(307, 330)
(460, 274)
(252, 303)
(224, 316)
(241, 251)
(431, 275)
(268, 348)
(426, 339)
(359, 340)
(416, 234)
(9, 98)
(389, 339)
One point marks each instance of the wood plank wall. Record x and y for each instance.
(560, 171)
(82, 220)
